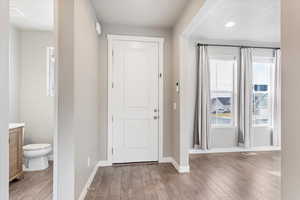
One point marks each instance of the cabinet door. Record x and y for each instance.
(15, 152)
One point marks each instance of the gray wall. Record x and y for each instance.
(86, 94)
(4, 99)
(77, 134)
(136, 31)
(64, 148)
(181, 117)
(36, 109)
(14, 71)
(290, 41)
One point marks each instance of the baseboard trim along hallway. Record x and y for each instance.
(104, 163)
(179, 168)
(235, 149)
(88, 183)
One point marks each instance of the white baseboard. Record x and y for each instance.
(166, 160)
(104, 163)
(267, 148)
(235, 149)
(180, 169)
(88, 184)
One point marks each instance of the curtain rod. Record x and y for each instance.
(238, 46)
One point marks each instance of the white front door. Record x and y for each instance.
(135, 100)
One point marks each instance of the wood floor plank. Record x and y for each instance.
(226, 176)
(33, 186)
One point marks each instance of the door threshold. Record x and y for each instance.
(134, 164)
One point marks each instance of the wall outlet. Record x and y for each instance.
(89, 161)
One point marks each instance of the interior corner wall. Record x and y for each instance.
(86, 94)
(290, 45)
(64, 167)
(4, 99)
(181, 48)
(168, 68)
(14, 78)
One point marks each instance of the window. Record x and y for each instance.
(223, 91)
(50, 71)
(262, 81)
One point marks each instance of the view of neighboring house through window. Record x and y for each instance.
(223, 91)
(262, 79)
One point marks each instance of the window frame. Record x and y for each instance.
(234, 102)
(50, 76)
(271, 62)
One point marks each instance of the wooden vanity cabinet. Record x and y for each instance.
(15, 153)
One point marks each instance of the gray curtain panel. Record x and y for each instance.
(201, 136)
(245, 97)
(276, 131)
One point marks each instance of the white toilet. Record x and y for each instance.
(36, 156)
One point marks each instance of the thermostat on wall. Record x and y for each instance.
(177, 87)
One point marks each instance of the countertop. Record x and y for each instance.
(16, 125)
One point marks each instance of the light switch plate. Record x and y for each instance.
(174, 105)
(89, 161)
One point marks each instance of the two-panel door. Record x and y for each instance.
(135, 100)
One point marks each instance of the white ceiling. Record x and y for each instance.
(32, 14)
(150, 13)
(256, 21)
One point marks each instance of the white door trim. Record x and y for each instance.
(4, 101)
(160, 42)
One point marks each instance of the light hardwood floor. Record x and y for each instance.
(228, 176)
(34, 186)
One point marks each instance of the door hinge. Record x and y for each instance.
(112, 150)
(112, 85)
(112, 118)
(160, 75)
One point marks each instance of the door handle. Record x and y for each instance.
(155, 117)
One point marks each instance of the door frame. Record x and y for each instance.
(4, 114)
(160, 42)
(4, 101)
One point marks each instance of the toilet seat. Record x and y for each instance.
(36, 156)
(35, 147)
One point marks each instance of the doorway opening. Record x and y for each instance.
(32, 99)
